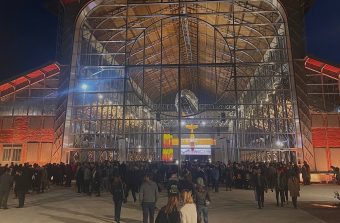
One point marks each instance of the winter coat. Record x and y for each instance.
(294, 187)
(281, 181)
(118, 191)
(6, 182)
(148, 192)
(202, 196)
(189, 213)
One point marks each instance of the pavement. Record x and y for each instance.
(316, 205)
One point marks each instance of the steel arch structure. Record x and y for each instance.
(134, 58)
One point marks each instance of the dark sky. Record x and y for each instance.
(28, 35)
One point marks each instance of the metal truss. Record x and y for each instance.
(232, 55)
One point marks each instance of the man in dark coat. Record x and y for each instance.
(6, 183)
(21, 187)
(260, 187)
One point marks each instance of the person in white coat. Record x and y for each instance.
(188, 211)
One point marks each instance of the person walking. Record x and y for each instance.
(188, 211)
(118, 196)
(148, 197)
(294, 188)
(6, 183)
(202, 199)
(169, 213)
(280, 187)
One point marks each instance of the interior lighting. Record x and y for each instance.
(279, 143)
(100, 96)
(84, 87)
(204, 123)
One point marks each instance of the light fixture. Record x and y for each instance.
(279, 143)
(176, 162)
(84, 87)
(100, 96)
(204, 123)
(183, 123)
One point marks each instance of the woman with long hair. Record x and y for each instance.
(169, 213)
(188, 211)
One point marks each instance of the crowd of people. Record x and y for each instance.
(187, 187)
(27, 179)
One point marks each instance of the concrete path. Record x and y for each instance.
(64, 205)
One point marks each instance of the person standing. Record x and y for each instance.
(229, 176)
(21, 187)
(6, 183)
(169, 213)
(188, 211)
(118, 196)
(80, 178)
(260, 186)
(87, 179)
(96, 180)
(202, 199)
(215, 174)
(148, 196)
(294, 188)
(305, 170)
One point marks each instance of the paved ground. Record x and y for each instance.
(64, 205)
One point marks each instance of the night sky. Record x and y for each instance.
(28, 35)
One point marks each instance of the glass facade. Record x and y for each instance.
(27, 113)
(132, 60)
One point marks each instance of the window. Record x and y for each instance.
(6, 154)
(11, 153)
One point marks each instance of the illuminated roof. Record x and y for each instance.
(21, 82)
(322, 68)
